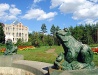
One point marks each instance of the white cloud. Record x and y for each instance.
(14, 11)
(35, 5)
(4, 7)
(8, 12)
(55, 3)
(88, 21)
(49, 15)
(80, 9)
(94, 1)
(67, 6)
(39, 14)
(36, 1)
(62, 3)
(87, 11)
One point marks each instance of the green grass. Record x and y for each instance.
(40, 54)
(93, 45)
(95, 59)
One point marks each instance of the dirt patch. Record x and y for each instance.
(51, 51)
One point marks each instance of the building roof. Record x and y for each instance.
(16, 22)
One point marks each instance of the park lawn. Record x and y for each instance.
(43, 54)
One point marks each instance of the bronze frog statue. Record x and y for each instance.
(76, 55)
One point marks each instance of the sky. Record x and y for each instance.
(62, 13)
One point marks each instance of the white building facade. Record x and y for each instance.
(15, 32)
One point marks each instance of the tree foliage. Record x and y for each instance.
(40, 39)
(37, 39)
(2, 35)
(43, 28)
(87, 33)
(53, 31)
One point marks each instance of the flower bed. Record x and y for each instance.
(25, 47)
(2, 50)
(20, 48)
(95, 49)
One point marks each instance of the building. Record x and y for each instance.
(16, 31)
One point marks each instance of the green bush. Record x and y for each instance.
(94, 45)
(21, 43)
(2, 45)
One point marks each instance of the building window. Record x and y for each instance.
(16, 34)
(17, 39)
(20, 34)
(19, 28)
(25, 35)
(13, 28)
(13, 34)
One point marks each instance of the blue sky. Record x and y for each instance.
(62, 13)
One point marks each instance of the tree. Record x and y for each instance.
(57, 28)
(94, 33)
(84, 33)
(2, 35)
(49, 40)
(43, 28)
(19, 42)
(35, 39)
(53, 30)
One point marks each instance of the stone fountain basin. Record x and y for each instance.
(35, 67)
(24, 67)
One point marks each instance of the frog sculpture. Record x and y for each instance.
(10, 48)
(76, 55)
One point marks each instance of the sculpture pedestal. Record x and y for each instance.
(6, 61)
(52, 71)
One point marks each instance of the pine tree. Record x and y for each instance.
(2, 35)
(43, 28)
(53, 30)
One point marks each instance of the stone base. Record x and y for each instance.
(6, 61)
(53, 71)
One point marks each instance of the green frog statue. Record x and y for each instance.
(10, 48)
(76, 55)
